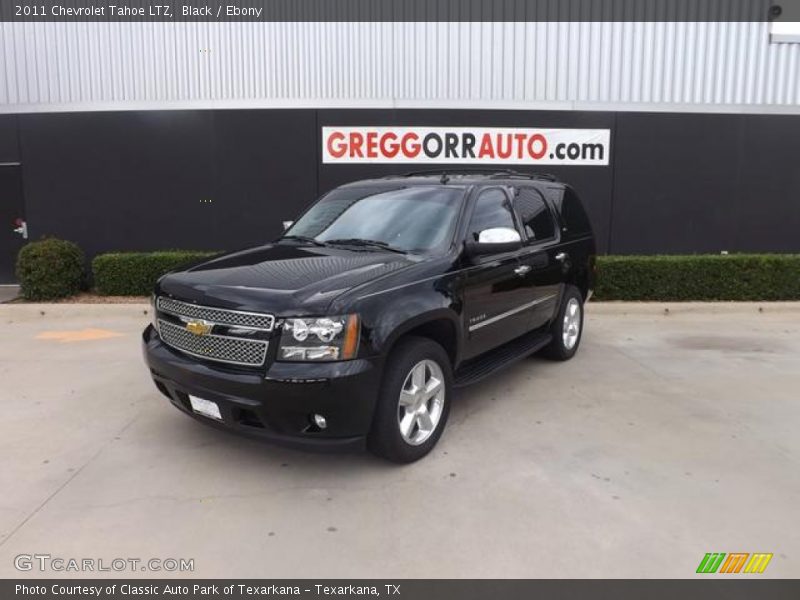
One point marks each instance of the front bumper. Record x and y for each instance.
(276, 406)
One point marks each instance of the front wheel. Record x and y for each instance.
(414, 401)
(567, 327)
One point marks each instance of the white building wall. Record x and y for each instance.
(562, 65)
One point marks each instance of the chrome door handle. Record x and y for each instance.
(523, 270)
(561, 256)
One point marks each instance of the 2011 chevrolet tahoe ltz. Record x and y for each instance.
(356, 326)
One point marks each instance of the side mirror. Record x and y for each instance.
(495, 241)
(287, 224)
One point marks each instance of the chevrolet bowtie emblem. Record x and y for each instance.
(199, 327)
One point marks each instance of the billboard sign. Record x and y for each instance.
(466, 145)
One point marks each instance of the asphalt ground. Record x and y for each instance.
(671, 434)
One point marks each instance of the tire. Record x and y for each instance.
(399, 432)
(565, 337)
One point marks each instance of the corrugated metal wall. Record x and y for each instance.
(567, 65)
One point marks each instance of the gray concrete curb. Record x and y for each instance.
(677, 308)
(65, 310)
(137, 310)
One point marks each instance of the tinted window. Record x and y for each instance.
(492, 209)
(573, 214)
(535, 215)
(414, 219)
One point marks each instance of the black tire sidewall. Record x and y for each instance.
(385, 438)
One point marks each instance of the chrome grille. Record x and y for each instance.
(218, 316)
(233, 350)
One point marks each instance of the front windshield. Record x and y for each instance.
(413, 219)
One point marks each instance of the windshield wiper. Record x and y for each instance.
(366, 243)
(303, 238)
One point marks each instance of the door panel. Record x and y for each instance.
(543, 283)
(541, 257)
(495, 299)
(11, 208)
(495, 294)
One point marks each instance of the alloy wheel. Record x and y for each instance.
(421, 402)
(572, 324)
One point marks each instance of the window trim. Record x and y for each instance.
(554, 218)
(505, 191)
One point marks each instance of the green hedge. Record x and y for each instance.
(654, 278)
(699, 277)
(49, 269)
(135, 273)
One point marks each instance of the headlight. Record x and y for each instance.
(319, 338)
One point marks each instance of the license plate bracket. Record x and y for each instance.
(204, 407)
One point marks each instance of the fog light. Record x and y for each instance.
(320, 421)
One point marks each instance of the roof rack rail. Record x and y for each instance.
(489, 172)
(456, 171)
(542, 176)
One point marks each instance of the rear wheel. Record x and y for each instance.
(414, 401)
(567, 327)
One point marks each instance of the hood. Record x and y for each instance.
(280, 278)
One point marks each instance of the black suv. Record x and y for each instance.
(357, 325)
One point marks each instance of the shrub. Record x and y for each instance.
(699, 277)
(135, 273)
(646, 278)
(49, 269)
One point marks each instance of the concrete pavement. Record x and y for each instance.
(8, 292)
(671, 434)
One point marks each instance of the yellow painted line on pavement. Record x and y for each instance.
(80, 335)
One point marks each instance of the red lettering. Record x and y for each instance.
(372, 144)
(410, 150)
(356, 140)
(338, 150)
(389, 145)
(487, 150)
(520, 138)
(537, 154)
(503, 152)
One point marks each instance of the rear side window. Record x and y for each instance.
(492, 209)
(573, 214)
(535, 215)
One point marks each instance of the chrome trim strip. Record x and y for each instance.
(214, 308)
(185, 319)
(508, 313)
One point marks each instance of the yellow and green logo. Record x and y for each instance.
(735, 562)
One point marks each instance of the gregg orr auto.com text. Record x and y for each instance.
(465, 145)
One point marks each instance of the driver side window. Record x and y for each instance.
(492, 209)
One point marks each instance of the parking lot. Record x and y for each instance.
(673, 433)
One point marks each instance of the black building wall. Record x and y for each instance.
(157, 180)
(705, 183)
(224, 179)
